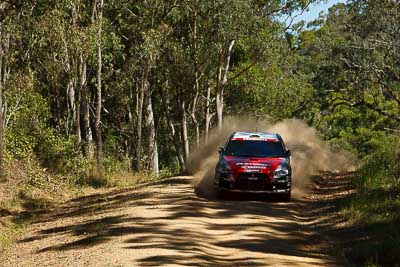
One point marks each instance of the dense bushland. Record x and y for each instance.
(108, 93)
(374, 207)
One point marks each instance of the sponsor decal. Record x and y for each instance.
(251, 165)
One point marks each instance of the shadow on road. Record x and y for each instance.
(171, 225)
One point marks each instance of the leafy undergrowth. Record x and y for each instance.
(102, 179)
(374, 218)
(28, 191)
(374, 210)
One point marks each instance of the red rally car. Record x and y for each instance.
(254, 162)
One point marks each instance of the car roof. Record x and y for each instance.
(255, 135)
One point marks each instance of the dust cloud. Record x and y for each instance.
(310, 154)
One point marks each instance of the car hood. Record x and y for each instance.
(253, 164)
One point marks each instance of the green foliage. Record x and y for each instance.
(351, 62)
(354, 126)
(26, 113)
(373, 209)
(114, 175)
(271, 91)
(382, 167)
(170, 51)
(60, 154)
(18, 144)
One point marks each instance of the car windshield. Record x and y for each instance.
(254, 148)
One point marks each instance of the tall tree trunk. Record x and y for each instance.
(207, 111)
(69, 66)
(99, 141)
(75, 89)
(174, 133)
(77, 123)
(196, 81)
(139, 119)
(219, 98)
(152, 149)
(194, 109)
(4, 72)
(1, 109)
(222, 80)
(70, 107)
(130, 141)
(185, 138)
(87, 127)
(85, 95)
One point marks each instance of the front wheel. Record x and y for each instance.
(286, 197)
(219, 193)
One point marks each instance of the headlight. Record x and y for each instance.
(281, 172)
(224, 167)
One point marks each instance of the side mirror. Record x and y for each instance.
(288, 153)
(221, 150)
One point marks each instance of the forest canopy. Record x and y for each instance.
(143, 82)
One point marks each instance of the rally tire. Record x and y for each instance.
(220, 193)
(286, 197)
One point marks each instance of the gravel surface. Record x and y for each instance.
(169, 224)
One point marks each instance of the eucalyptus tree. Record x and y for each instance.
(373, 56)
(144, 31)
(99, 139)
(252, 28)
(168, 63)
(11, 57)
(64, 43)
(354, 56)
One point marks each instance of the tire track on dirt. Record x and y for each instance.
(168, 224)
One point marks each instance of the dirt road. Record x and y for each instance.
(169, 224)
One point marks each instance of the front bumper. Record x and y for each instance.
(278, 191)
(250, 183)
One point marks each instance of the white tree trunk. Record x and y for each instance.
(77, 118)
(219, 98)
(1, 106)
(88, 128)
(207, 111)
(85, 95)
(222, 80)
(151, 131)
(194, 109)
(4, 72)
(99, 141)
(196, 81)
(185, 138)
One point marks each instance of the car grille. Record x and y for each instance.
(253, 182)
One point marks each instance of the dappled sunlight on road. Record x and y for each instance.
(169, 225)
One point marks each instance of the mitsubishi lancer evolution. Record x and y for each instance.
(254, 162)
